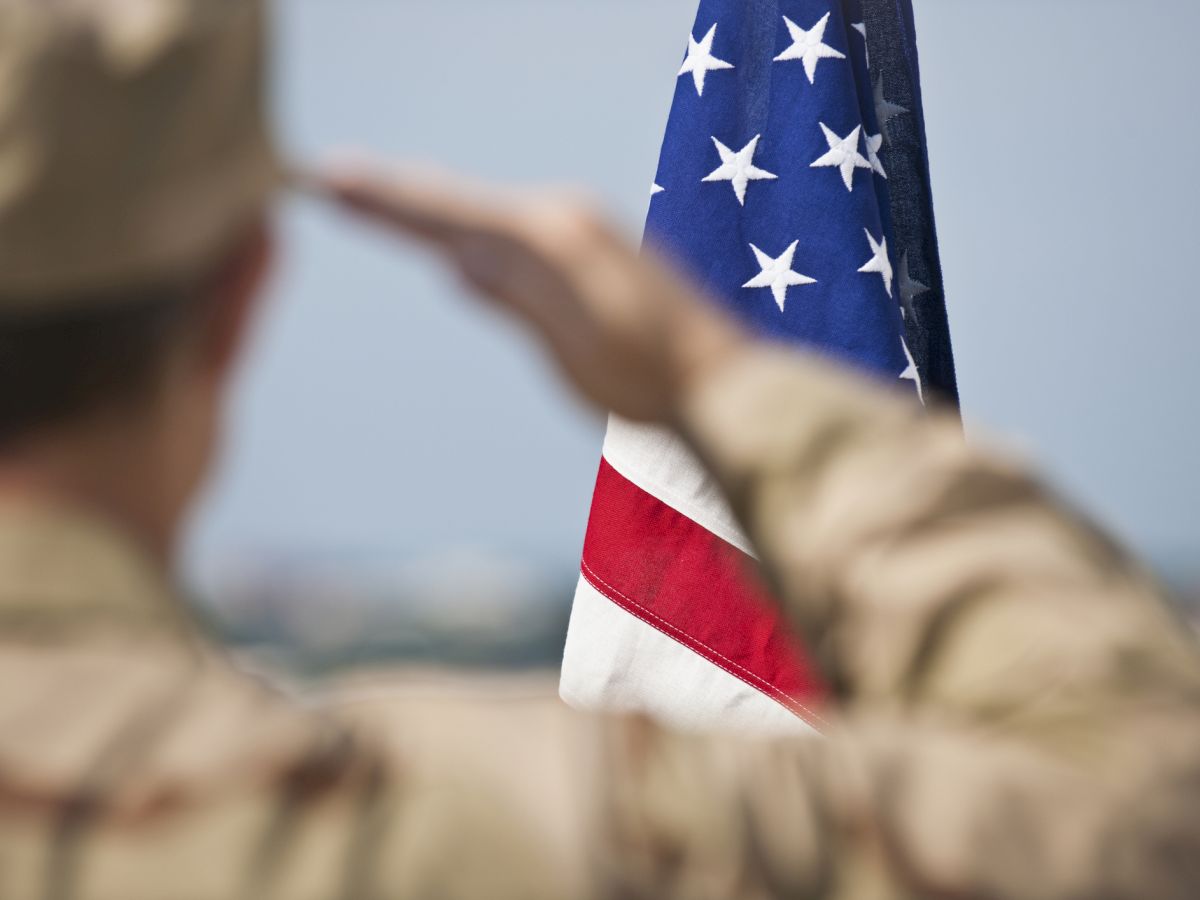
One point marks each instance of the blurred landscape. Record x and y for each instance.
(465, 609)
(309, 620)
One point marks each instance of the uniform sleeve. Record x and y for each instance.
(1012, 683)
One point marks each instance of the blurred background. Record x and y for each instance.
(405, 478)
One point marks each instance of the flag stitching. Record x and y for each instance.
(780, 696)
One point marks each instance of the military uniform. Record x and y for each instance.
(1018, 713)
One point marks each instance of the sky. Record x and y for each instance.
(382, 414)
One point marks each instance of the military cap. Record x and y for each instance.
(133, 141)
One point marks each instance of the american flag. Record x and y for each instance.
(794, 186)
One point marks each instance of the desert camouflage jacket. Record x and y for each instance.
(1017, 712)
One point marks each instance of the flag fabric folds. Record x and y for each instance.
(794, 186)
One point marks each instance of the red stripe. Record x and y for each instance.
(659, 565)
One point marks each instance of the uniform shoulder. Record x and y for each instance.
(149, 721)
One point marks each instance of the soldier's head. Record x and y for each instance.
(136, 172)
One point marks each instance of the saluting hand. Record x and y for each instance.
(628, 331)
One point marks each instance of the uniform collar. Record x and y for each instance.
(61, 566)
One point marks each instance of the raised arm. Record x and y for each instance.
(879, 525)
(1010, 683)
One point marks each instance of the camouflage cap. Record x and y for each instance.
(133, 141)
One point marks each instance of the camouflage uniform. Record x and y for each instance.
(1018, 712)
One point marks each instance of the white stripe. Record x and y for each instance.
(615, 662)
(659, 463)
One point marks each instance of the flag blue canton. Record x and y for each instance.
(793, 182)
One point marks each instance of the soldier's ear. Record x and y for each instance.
(237, 291)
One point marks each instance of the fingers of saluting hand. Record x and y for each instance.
(465, 223)
(447, 210)
(477, 226)
(427, 204)
(508, 243)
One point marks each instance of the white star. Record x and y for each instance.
(874, 143)
(861, 28)
(656, 188)
(700, 60)
(912, 373)
(809, 46)
(777, 274)
(738, 168)
(843, 154)
(879, 262)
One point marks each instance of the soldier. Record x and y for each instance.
(1018, 711)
